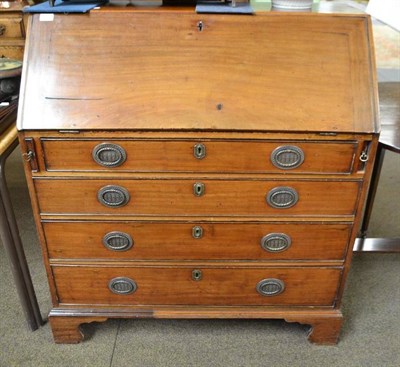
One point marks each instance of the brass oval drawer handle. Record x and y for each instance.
(122, 285)
(287, 157)
(117, 241)
(282, 197)
(113, 196)
(199, 151)
(3, 29)
(109, 155)
(276, 242)
(270, 287)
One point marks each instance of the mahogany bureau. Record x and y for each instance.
(186, 165)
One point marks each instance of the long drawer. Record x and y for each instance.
(199, 156)
(196, 241)
(196, 285)
(199, 198)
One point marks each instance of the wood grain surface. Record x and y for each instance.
(226, 285)
(268, 72)
(176, 197)
(240, 85)
(178, 156)
(169, 240)
(325, 323)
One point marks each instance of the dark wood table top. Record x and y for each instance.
(389, 102)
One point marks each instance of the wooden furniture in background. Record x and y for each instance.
(12, 40)
(389, 139)
(206, 166)
(12, 29)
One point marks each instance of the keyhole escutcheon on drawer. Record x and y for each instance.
(197, 232)
(199, 189)
(199, 151)
(197, 275)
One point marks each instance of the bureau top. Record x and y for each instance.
(174, 69)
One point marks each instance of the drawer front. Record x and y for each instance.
(12, 52)
(196, 285)
(196, 241)
(197, 198)
(198, 156)
(11, 27)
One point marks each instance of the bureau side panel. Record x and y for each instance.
(28, 168)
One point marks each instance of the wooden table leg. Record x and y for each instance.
(389, 97)
(12, 243)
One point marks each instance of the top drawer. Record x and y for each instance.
(199, 156)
